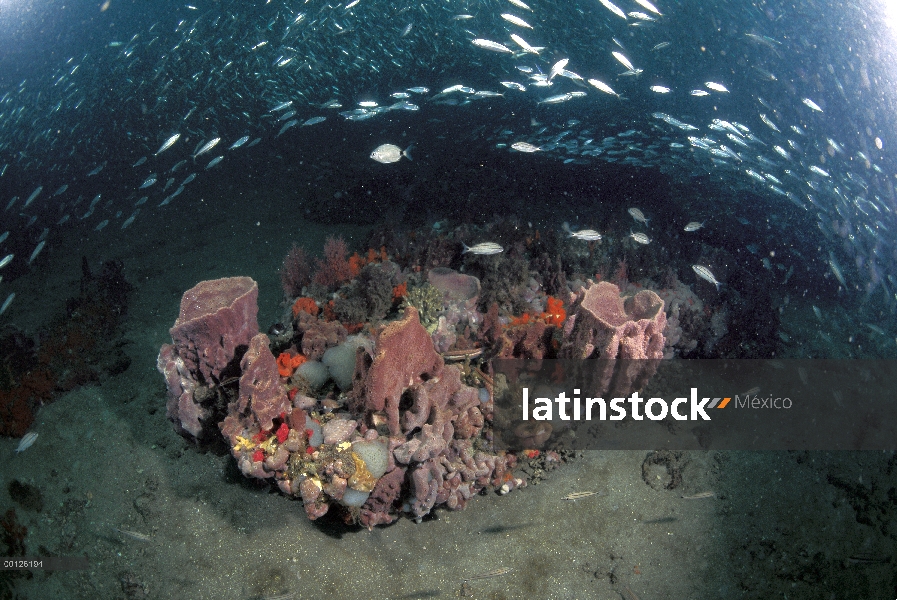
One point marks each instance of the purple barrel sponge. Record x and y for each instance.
(217, 319)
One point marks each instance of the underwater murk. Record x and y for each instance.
(261, 265)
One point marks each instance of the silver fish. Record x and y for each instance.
(168, 144)
(716, 87)
(27, 440)
(37, 250)
(515, 20)
(282, 106)
(239, 142)
(523, 44)
(613, 8)
(693, 226)
(130, 219)
(6, 260)
(578, 495)
(588, 235)
(490, 45)
(390, 153)
(812, 105)
(314, 121)
(207, 146)
(557, 99)
(705, 274)
(7, 302)
(641, 238)
(638, 215)
(648, 6)
(484, 248)
(557, 67)
(33, 195)
(603, 87)
(623, 60)
(214, 162)
(524, 147)
(286, 126)
(148, 182)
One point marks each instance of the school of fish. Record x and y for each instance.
(592, 82)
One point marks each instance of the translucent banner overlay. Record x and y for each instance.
(695, 405)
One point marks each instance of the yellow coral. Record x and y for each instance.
(362, 480)
(243, 444)
(268, 445)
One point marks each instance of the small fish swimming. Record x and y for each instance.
(812, 105)
(490, 574)
(27, 440)
(603, 87)
(705, 274)
(490, 45)
(7, 302)
(238, 143)
(37, 250)
(660, 89)
(207, 146)
(523, 44)
(148, 182)
(33, 195)
(623, 60)
(613, 8)
(557, 67)
(693, 226)
(483, 249)
(557, 99)
(286, 126)
(588, 235)
(638, 216)
(641, 238)
(515, 20)
(648, 6)
(314, 121)
(700, 496)
(168, 144)
(716, 87)
(578, 495)
(6, 260)
(214, 162)
(524, 147)
(390, 153)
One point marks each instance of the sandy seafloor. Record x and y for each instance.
(781, 525)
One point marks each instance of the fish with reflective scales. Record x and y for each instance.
(390, 153)
(705, 274)
(483, 249)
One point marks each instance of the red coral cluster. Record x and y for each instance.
(335, 269)
(295, 273)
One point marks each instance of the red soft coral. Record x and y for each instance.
(335, 269)
(295, 273)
